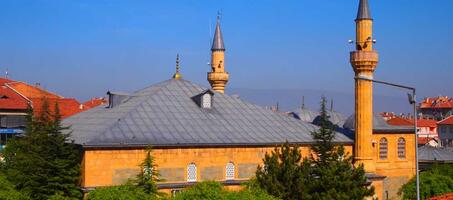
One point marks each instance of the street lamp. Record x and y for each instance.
(412, 101)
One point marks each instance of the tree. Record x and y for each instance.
(43, 162)
(8, 192)
(284, 175)
(150, 176)
(211, 190)
(433, 182)
(123, 192)
(333, 174)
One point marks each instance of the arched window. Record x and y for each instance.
(401, 148)
(229, 171)
(383, 149)
(191, 172)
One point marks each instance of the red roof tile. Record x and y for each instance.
(31, 91)
(398, 121)
(94, 102)
(10, 100)
(437, 103)
(447, 121)
(448, 196)
(67, 107)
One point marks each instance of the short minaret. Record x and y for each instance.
(364, 61)
(218, 77)
(177, 75)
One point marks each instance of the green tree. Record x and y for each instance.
(333, 174)
(149, 176)
(8, 192)
(284, 174)
(211, 190)
(432, 183)
(43, 162)
(123, 192)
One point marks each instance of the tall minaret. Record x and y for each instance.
(364, 61)
(218, 77)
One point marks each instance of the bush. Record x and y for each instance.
(124, 192)
(8, 192)
(431, 184)
(214, 191)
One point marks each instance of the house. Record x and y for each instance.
(445, 128)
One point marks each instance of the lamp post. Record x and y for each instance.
(412, 101)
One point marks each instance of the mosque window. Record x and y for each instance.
(207, 100)
(191, 172)
(383, 148)
(401, 148)
(229, 171)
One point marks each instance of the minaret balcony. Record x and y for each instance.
(218, 76)
(364, 60)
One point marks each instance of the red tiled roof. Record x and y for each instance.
(67, 106)
(10, 100)
(94, 102)
(437, 103)
(5, 80)
(31, 91)
(426, 123)
(398, 121)
(447, 121)
(448, 196)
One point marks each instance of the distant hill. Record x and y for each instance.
(290, 99)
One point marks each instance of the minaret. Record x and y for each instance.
(364, 60)
(218, 77)
(177, 75)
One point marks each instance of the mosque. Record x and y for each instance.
(200, 134)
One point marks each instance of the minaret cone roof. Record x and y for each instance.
(217, 43)
(364, 10)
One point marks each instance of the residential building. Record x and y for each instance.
(445, 128)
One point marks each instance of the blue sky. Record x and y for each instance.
(84, 48)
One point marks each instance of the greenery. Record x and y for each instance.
(283, 174)
(327, 174)
(214, 191)
(434, 182)
(150, 176)
(43, 163)
(333, 174)
(8, 192)
(123, 192)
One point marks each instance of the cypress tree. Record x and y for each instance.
(148, 178)
(43, 162)
(333, 175)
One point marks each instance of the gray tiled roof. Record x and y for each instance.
(432, 154)
(165, 114)
(379, 125)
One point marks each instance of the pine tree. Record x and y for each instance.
(284, 174)
(150, 176)
(43, 162)
(333, 175)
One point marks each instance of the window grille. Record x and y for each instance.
(192, 172)
(229, 171)
(401, 148)
(383, 149)
(207, 100)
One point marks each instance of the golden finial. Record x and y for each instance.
(177, 75)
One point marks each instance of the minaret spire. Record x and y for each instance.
(177, 75)
(364, 10)
(364, 61)
(218, 77)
